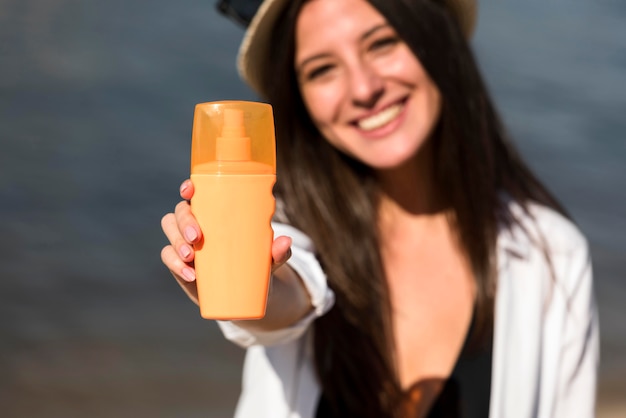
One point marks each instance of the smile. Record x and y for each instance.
(381, 118)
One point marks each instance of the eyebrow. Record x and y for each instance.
(363, 37)
(373, 30)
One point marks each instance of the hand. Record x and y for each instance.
(183, 231)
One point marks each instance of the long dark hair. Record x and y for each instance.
(333, 198)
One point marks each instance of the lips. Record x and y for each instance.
(380, 118)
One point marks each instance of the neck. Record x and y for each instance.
(410, 189)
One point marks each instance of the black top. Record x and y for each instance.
(466, 392)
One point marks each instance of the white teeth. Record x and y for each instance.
(380, 119)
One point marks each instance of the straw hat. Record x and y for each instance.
(254, 48)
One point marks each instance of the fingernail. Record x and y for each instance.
(189, 274)
(183, 187)
(185, 251)
(190, 234)
(286, 257)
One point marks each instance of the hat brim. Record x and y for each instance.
(254, 48)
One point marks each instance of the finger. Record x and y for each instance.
(187, 225)
(178, 267)
(182, 272)
(170, 228)
(186, 189)
(281, 251)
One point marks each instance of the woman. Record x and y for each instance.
(421, 269)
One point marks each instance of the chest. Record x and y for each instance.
(432, 300)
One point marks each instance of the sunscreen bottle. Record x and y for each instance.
(233, 171)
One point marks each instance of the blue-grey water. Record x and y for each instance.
(96, 103)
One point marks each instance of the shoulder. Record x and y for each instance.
(549, 249)
(545, 253)
(537, 226)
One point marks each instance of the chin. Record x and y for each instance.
(389, 153)
(387, 163)
(389, 160)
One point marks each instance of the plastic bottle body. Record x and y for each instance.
(233, 169)
(233, 260)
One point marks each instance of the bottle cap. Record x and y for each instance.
(232, 132)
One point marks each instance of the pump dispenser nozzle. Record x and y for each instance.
(233, 144)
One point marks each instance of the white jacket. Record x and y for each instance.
(546, 338)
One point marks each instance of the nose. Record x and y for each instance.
(366, 85)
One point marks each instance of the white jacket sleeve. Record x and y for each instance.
(579, 355)
(306, 265)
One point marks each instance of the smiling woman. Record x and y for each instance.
(360, 82)
(430, 274)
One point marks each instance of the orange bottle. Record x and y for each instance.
(233, 170)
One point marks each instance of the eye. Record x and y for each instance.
(318, 72)
(384, 42)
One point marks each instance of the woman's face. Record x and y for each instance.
(363, 87)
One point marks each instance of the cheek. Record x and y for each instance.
(432, 99)
(322, 103)
(427, 92)
(322, 111)
(435, 103)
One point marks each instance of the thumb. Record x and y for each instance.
(281, 251)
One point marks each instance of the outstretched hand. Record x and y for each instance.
(182, 231)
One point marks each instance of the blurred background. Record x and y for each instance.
(96, 106)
